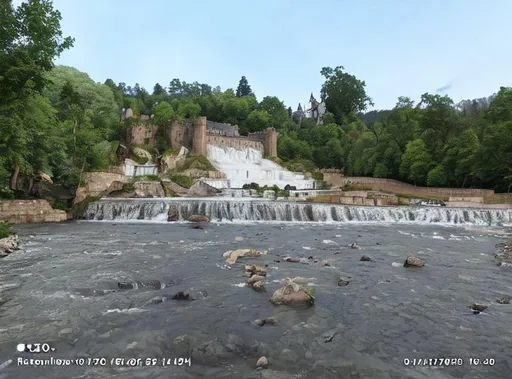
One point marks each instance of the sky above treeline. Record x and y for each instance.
(398, 47)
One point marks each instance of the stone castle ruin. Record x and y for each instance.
(195, 135)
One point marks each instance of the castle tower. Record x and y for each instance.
(199, 140)
(271, 142)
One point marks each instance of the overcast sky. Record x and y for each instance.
(400, 48)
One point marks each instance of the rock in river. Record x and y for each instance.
(256, 270)
(365, 258)
(198, 218)
(504, 300)
(255, 278)
(413, 262)
(477, 308)
(292, 294)
(258, 286)
(262, 362)
(8, 245)
(342, 282)
(232, 255)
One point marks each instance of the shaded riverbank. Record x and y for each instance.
(59, 290)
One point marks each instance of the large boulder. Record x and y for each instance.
(141, 153)
(201, 189)
(413, 262)
(9, 245)
(198, 218)
(292, 294)
(148, 189)
(172, 162)
(232, 255)
(173, 214)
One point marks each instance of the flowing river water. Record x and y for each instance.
(62, 288)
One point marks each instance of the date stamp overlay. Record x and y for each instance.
(43, 359)
(448, 362)
(104, 362)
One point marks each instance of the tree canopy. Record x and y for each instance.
(59, 121)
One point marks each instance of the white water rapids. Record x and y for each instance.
(248, 166)
(240, 210)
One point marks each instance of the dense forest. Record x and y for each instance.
(58, 121)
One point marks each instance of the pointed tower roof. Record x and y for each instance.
(299, 108)
(312, 98)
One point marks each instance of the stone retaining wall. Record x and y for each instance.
(395, 186)
(28, 211)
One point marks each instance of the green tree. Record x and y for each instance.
(188, 110)
(235, 109)
(163, 112)
(416, 162)
(118, 93)
(437, 176)
(500, 109)
(257, 121)
(494, 159)
(244, 89)
(438, 122)
(30, 40)
(158, 90)
(275, 109)
(343, 93)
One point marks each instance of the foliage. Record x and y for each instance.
(298, 165)
(59, 204)
(183, 180)
(244, 89)
(59, 121)
(146, 178)
(343, 93)
(170, 151)
(140, 160)
(5, 229)
(195, 160)
(78, 209)
(317, 175)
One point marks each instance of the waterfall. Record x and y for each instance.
(247, 166)
(239, 210)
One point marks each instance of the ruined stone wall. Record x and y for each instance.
(180, 134)
(227, 130)
(269, 140)
(28, 211)
(142, 135)
(239, 143)
(195, 136)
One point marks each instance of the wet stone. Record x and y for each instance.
(504, 300)
(413, 262)
(262, 362)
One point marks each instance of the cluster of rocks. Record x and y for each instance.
(8, 245)
(503, 255)
(291, 294)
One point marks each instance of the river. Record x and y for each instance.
(61, 288)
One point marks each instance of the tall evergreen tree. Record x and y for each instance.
(159, 90)
(244, 89)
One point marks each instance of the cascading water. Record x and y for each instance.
(248, 166)
(263, 210)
